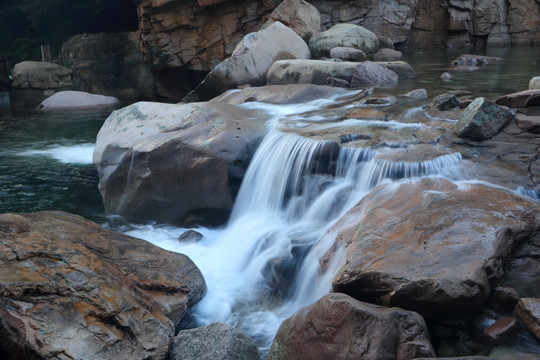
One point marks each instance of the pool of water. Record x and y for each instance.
(46, 162)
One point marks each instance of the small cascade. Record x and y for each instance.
(264, 265)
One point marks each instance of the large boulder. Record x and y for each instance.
(299, 15)
(40, 75)
(251, 60)
(76, 100)
(35, 81)
(457, 240)
(167, 162)
(214, 342)
(73, 288)
(482, 119)
(345, 35)
(340, 327)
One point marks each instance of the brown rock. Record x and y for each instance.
(85, 292)
(340, 327)
(520, 99)
(454, 237)
(299, 15)
(528, 123)
(528, 311)
(503, 331)
(13, 223)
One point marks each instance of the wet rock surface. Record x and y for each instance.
(482, 119)
(215, 341)
(386, 237)
(340, 327)
(71, 288)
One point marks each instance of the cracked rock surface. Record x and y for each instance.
(70, 289)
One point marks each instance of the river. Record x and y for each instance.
(263, 265)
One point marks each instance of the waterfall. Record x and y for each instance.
(264, 265)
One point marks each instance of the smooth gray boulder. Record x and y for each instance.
(75, 100)
(347, 35)
(308, 71)
(216, 341)
(40, 75)
(251, 60)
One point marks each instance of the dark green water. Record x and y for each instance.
(45, 162)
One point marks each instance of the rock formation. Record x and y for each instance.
(70, 288)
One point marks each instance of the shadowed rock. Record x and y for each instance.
(340, 327)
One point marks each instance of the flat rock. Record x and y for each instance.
(212, 342)
(528, 311)
(528, 123)
(442, 268)
(71, 287)
(503, 331)
(347, 54)
(308, 71)
(521, 99)
(340, 327)
(77, 100)
(387, 55)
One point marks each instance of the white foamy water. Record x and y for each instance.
(67, 154)
(264, 265)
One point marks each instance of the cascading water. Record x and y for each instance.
(264, 265)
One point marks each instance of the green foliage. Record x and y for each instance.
(27, 24)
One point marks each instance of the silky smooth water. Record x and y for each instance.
(263, 265)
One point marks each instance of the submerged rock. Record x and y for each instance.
(482, 119)
(213, 342)
(251, 60)
(71, 287)
(76, 100)
(458, 252)
(340, 327)
(345, 35)
(474, 60)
